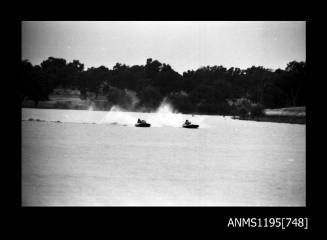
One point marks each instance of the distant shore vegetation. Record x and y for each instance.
(207, 90)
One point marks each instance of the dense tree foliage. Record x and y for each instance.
(209, 89)
(36, 84)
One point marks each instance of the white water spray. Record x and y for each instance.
(164, 116)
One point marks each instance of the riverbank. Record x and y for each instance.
(68, 100)
(278, 119)
(296, 115)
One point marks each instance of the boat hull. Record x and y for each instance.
(191, 126)
(142, 125)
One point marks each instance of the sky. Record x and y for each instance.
(182, 45)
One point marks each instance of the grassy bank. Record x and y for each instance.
(69, 102)
(282, 115)
(278, 119)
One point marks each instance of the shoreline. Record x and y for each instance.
(291, 115)
(276, 119)
(271, 118)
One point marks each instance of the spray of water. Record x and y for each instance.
(164, 116)
(119, 116)
(132, 96)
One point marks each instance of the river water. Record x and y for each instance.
(95, 158)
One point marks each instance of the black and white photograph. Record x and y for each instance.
(163, 113)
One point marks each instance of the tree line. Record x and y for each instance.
(207, 90)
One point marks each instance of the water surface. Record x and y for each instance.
(225, 162)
